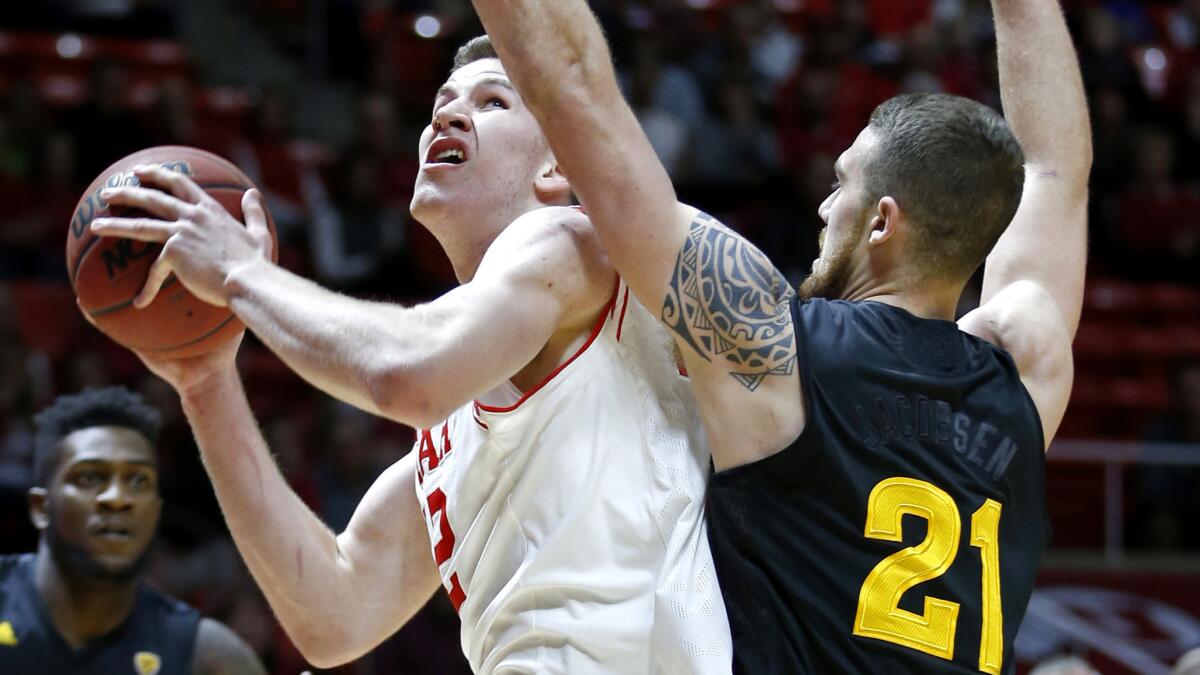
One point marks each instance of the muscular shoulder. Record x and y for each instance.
(552, 250)
(219, 651)
(547, 237)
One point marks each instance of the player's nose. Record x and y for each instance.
(114, 496)
(451, 116)
(824, 209)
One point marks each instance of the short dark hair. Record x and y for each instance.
(107, 407)
(955, 167)
(476, 49)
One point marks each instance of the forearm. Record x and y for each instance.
(1042, 92)
(555, 53)
(551, 50)
(365, 353)
(1041, 87)
(292, 555)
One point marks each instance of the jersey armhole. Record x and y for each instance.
(1011, 364)
(802, 366)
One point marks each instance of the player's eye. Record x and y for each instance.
(139, 480)
(495, 102)
(88, 479)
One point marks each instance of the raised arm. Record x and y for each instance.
(336, 596)
(556, 55)
(1033, 279)
(414, 365)
(726, 303)
(1042, 92)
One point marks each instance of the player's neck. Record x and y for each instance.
(466, 245)
(923, 300)
(81, 609)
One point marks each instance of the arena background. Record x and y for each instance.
(748, 103)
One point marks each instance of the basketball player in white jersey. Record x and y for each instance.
(559, 470)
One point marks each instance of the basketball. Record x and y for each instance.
(107, 273)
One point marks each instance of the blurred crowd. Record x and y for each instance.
(747, 102)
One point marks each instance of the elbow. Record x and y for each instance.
(324, 646)
(409, 395)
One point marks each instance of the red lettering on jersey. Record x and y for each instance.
(445, 545)
(457, 596)
(427, 459)
(445, 439)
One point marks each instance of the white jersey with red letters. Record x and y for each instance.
(567, 522)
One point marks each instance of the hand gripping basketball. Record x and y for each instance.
(201, 242)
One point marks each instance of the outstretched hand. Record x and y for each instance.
(202, 242)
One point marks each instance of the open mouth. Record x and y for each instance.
(449, 157)
(447, 152)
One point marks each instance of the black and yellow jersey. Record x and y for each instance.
(158, 638)
(902, 531)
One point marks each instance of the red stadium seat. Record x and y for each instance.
(1146, 394)
(1099, 342)
(61, 90)
(1177, 301)
(1153, 346)
(1112, 297)
(47, 318)
(1185, 342)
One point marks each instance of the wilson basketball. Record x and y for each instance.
(107, 273)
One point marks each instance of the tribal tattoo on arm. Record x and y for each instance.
(727, 301)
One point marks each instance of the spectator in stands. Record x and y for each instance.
(264, 153)
(774, 51)
(349, 462)
(174, 121)
(103, 127)
(353, 235)
(739, 145)
(1104, 59)
(24, 128)
(1158, 218)
(1114, 145)
(16, 407)
(667, 102)
(1183, 25)
(383, 137)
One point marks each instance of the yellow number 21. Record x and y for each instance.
(879, 615)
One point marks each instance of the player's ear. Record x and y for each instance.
(884, 221)
(551, 184)
(37, 508)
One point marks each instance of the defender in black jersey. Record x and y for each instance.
(877, 504)
(76, 606)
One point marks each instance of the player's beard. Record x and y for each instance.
(833, 275)
(75, 561)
